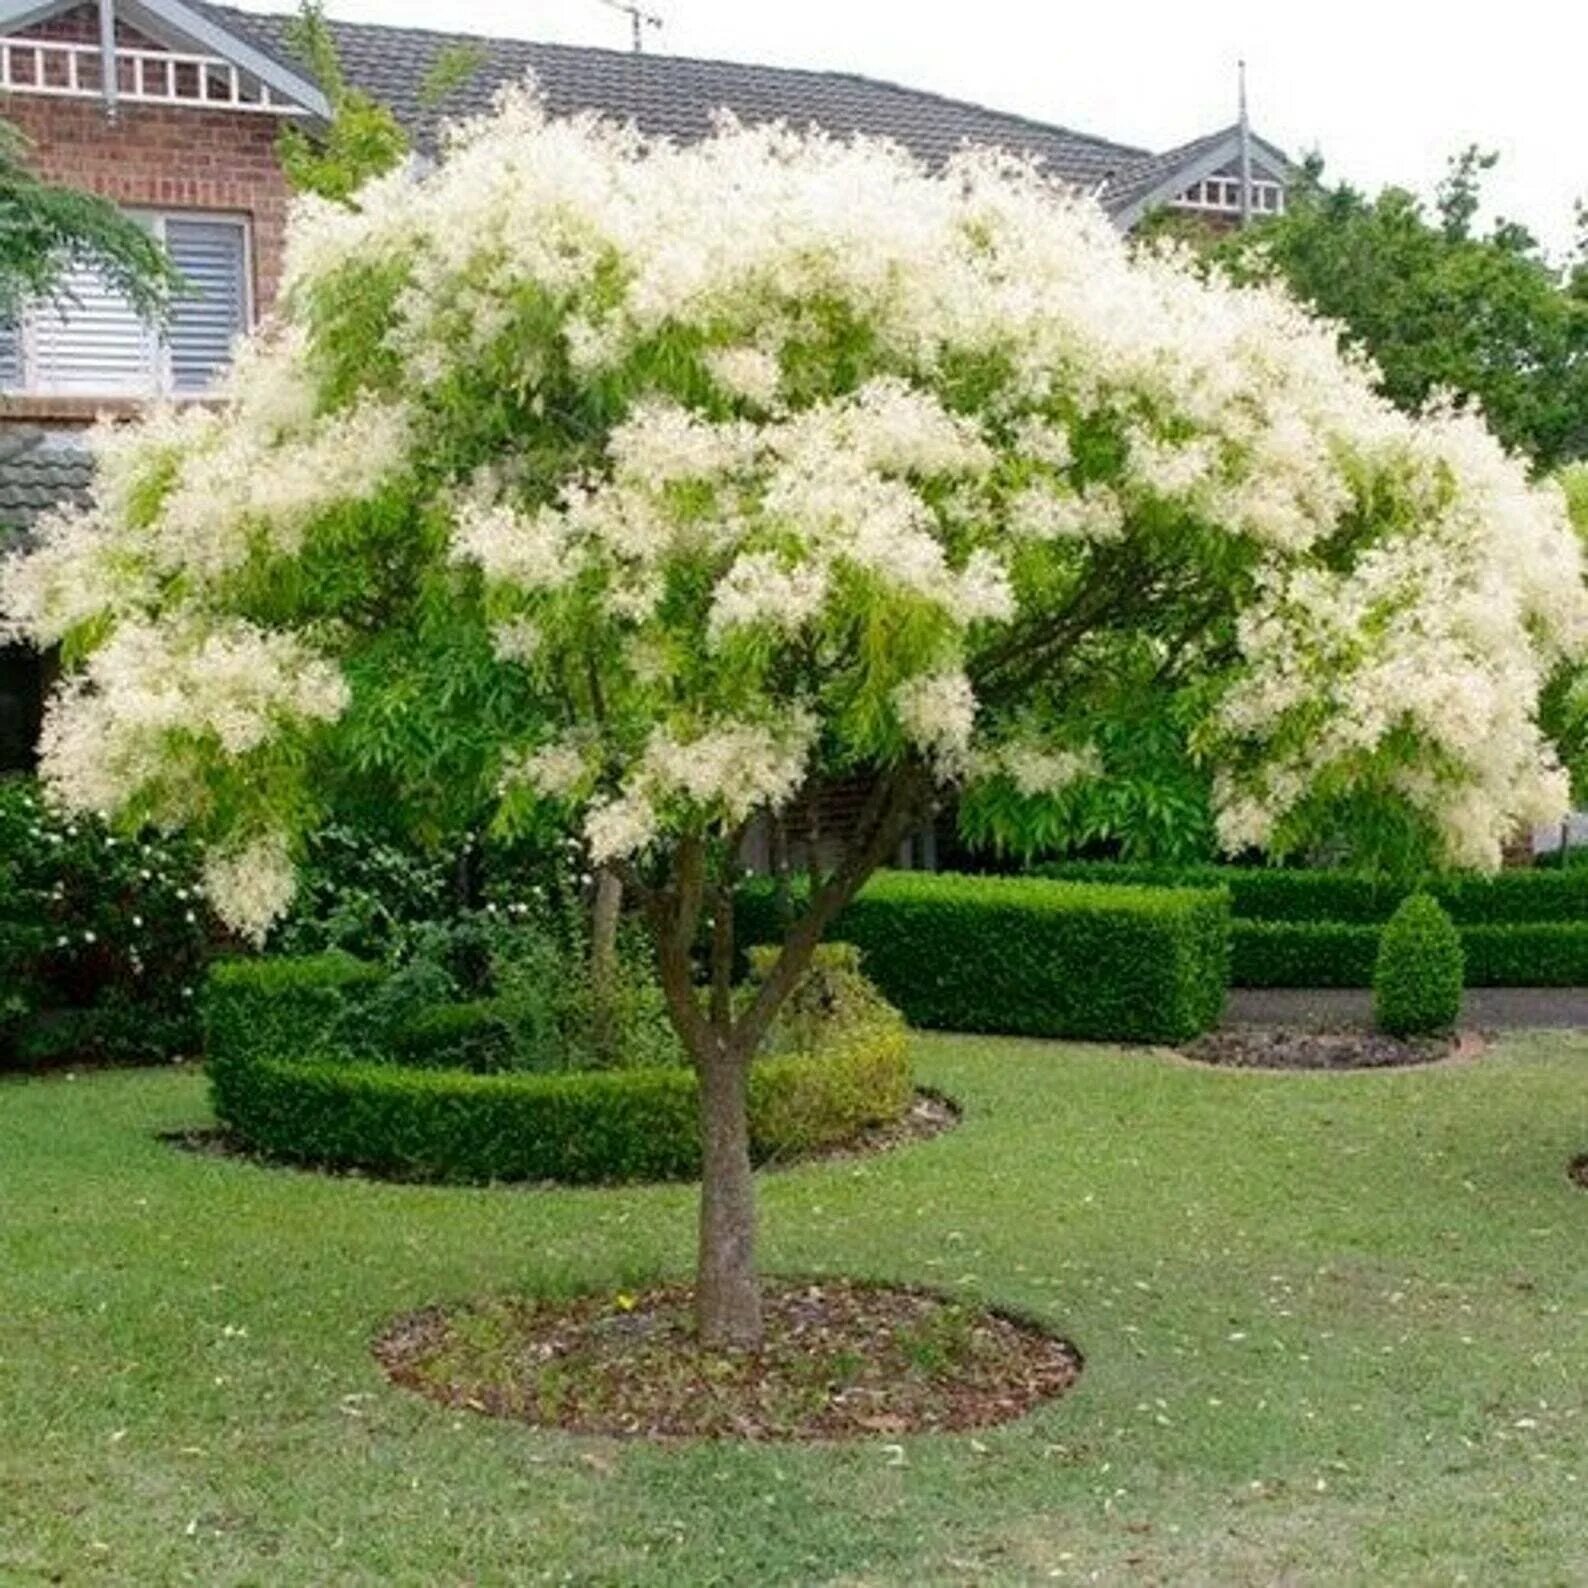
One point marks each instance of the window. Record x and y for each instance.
(92, 343)
(1223, 194)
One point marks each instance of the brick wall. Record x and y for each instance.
(167, 157)
(172, 157)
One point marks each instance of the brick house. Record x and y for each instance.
(172, 108)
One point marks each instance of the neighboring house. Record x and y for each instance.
(172, 108)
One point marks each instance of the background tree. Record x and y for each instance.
(1439, 305)
(635, 491)
(47, 230)
(1563, 710)
(362, 140)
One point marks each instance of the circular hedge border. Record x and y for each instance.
(450, 1124)
(583, 1126)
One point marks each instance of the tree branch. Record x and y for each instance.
(895, 801)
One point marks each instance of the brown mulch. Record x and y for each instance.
(840, 1360)
(1288, 1048)
(930, 1114)
(1578, 1170)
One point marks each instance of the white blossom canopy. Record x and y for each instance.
(692, 474)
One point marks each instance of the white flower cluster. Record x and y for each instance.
(759, 588)
(1037, 772)
(735, 768)
(224, 485)
(557, 770)
(251, 885)
(938, 714)
(841, 479)
(747, 372)
(153, 694)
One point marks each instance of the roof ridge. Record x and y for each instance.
(890, 85)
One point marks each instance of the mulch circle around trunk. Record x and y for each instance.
(1288, 1048)
(840, 1360)
(930, 1114)
(1578, 1170)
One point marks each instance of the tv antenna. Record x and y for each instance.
(639, 19)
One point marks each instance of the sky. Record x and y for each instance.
(1387, 91)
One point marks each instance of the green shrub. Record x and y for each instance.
(1302, 953)
(1031, 957)
(357, 891)
(1340, 954)
(478, 1036)
(833, 995)
(103, 939)
(294, 1074)
(303, 1008)
(284, 1090)
(1275, 893)
(1417, 976)
(1527, 954)
(1257, 893)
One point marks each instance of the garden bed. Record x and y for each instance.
(839, 1361)
(1288, 1048)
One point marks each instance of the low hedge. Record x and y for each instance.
(1274, 893)
(1302, 953)
(1342, 954)
(1029, 957)
(590, 1125)
(261, 1008)
(284, 1080)
(477, 1036)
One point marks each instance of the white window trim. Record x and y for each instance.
(1222, 195)
(163, 384)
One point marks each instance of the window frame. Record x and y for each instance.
(1218, 194)
(155, 343)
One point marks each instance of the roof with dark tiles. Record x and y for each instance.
(674, 96)
(39, 469)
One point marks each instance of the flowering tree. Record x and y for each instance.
(639, 489)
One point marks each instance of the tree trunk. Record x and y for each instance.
(722, 1040)
(727, 1297)
(604, 963)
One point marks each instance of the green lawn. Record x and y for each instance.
(1336, 1331)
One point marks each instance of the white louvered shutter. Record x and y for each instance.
(213, 308)
(91, 341)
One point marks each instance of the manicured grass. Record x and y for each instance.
(1336, 1331)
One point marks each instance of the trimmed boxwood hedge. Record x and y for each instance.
(1029, 957)
(1272, 893)
(258, 1008)
(1342, 954)
(477, 1036)
(290, 1094)
(1302, 953)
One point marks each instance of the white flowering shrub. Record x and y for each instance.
(640, 486)
(103, 939)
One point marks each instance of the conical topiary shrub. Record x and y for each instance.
(1418, 975)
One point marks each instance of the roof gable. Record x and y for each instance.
(180, 25)
(1134, 191)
